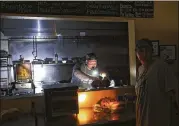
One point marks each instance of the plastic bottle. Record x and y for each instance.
(56, 58)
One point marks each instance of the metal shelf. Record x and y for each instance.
(6, 66)
(6, 69)
(5, 57)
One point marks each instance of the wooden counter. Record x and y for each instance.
(84, 118)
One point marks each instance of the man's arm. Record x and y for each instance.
(80, 75)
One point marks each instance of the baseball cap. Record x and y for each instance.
(91, 56)
(143, 43)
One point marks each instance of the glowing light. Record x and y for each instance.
(64, 61)
(59, 35)
(103, 75)
(38, 90)
(83, 116)
(95, 73)
(38, 25)
(38, 35)
(39, 72)
(82, 97)
(38, 29)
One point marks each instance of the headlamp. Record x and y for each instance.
(95, 73)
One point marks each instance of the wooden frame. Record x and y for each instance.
(131, 31)
(168, 52)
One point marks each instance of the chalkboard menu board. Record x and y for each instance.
(129, 9)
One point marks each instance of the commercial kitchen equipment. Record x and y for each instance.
(60, 100)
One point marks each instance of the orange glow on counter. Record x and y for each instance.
(81, 97)
(89, 98)
(85, 116)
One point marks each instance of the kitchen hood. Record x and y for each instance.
(25, 29)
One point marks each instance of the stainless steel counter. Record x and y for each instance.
(41, 94)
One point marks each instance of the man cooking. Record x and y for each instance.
(86, 73)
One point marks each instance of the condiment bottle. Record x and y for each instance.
(56, 58)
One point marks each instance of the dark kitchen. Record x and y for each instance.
(68, 66)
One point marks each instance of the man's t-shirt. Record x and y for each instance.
(153, 105)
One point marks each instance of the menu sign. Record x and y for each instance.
(129, 9)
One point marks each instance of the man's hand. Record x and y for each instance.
(105, 78)
(94, 78)
(96, 83)
(105, 83)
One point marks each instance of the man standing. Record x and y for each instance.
(156, 89)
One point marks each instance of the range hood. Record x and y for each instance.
(27, 29)
(46, 30)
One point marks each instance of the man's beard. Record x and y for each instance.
(93, 68)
